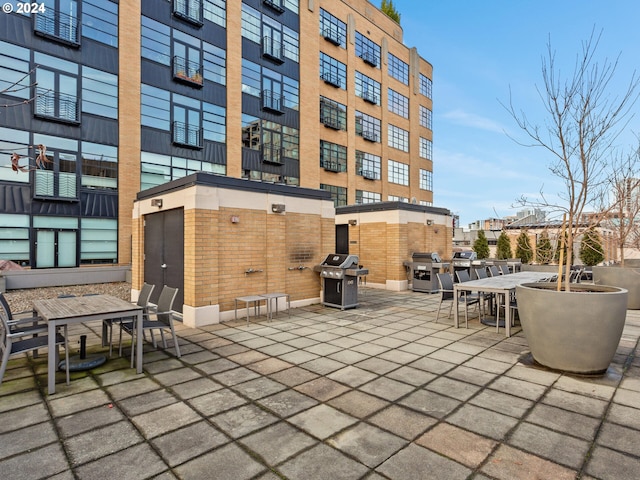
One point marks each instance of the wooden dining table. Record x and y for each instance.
(65, 311)
(500, 285)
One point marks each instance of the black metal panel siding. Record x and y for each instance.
(99, 204)
(158, 141)
(15, 198)
(55, 208)
(18, 117)
(252, 160)
(215, 152)
(99, 129)
(252, 105)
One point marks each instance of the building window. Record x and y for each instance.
(398, 104)
(425, 86)
(99, 166)
(157, 169)
(333, 157)
(398, 69)
(187, 121)
(291, 5)
(14, 71)
(215, 11)
(256, 133)
(338, 194)
(14, 238)
(276, 90)
(192, 119)
(187, 58)
(57, 177)
(367, 127)
(333, 72)
(398, 172)
(368, 165)
(362, 196)
(100, 21)
(155, 41)
(426, 149)
(396, 198)
(426, 180)
(367, 88)
(192, 60)
(367, 50)
(98, 240)
(278, 41)
(59, 21)
(333, 29)
(333, 114)
(99, 93)
(425, 117)
(56, 93)
(15, 141)
(189, 10)
(398, 138)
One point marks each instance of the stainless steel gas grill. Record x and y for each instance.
(466, 260)
(339, 273)
(423, 268)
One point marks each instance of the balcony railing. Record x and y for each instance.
(332, 35)
(186, 71)
(57, 25)
(369, 58)
(370, 97)
(56, 105)
(272, 101)
(331, 79)
(369, 174)
(273, 154)
(187, 135)
(333, 165)
(369, 136)
(272, 49)
(188, 10)
(332, 122)
(276, 5)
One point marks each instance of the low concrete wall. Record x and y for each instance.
(55, 277)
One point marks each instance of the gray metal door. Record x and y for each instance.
(342, 238)
(164, 253)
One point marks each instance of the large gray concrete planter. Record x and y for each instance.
(577, 331)
(624, 277)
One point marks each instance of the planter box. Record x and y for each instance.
(577, 331)
(627, 277)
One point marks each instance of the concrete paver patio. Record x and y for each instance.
(377, 392)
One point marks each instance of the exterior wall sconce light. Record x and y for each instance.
(235, 219)
(429, 222)
(277, 207)
(156, 202)
(353, 222)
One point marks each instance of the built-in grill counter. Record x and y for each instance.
(339, 273)
(422, 270)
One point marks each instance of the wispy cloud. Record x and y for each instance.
(468, 119)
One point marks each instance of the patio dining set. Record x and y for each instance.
(46, 326)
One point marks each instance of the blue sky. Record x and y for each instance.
(482, 50)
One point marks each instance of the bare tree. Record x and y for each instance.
(582, 124)
(624, 219)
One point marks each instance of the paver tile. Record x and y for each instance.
(460, 445)
(415, 460)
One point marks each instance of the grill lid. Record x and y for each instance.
(466, 255)
(426, 257)
(340, 260)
